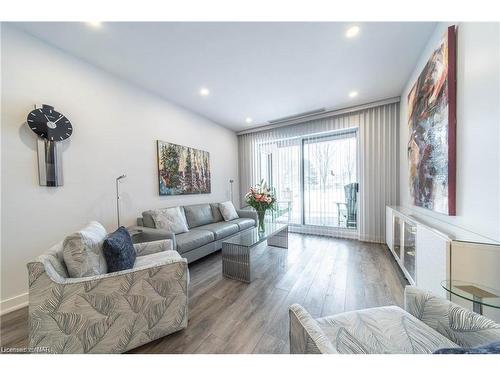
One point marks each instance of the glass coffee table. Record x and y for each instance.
(238, 251)
(479, 295)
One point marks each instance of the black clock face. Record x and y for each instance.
(49, 124)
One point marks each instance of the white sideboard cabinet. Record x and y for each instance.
(422, 252)
(430, 251)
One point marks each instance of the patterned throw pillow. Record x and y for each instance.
(119, 250)
(228, 211)
(82, 251)
(492, 348)
(171, 219)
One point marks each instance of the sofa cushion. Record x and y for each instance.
(56, 265)
(147, 219)
(221, 229)
(193, 239)
(82, 251)
(119, 251)
(228, 211)
(171, 219)
(381, 330)
(55, 257)
(217, 216)
(156, 258)
(243, 223)
(198, 215)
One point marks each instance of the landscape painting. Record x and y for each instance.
(431, 121)
(182, 170)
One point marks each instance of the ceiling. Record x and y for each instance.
(263, 71)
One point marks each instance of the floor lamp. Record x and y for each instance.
(118, 179)
(231, 187)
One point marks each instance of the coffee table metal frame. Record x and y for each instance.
(237, 252)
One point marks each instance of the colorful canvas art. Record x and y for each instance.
(182, 170)
(431, 121)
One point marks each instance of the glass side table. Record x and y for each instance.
(479, 295)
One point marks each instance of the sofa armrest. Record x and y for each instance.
(462, 326)
(146, 234)
(249, 214)
(147, 248)
(306, 336)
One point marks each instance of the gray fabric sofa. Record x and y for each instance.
(207, 229)
(426, 324)
(108, 313)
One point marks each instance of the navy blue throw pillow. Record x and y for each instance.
(119, 251)
(493, 348)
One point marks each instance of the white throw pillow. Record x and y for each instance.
(228, 211)
(171, 219)
(82, 251)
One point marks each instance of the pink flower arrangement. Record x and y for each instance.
(261, 197)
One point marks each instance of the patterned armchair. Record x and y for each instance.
(429, 323)
(109, 313)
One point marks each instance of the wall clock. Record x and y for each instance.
(52, 128)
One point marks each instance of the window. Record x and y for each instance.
(315, 179)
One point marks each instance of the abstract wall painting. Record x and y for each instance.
(182, 170)
(432, 130)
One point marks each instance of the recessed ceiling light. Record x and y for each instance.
(248, 120)
(353, 94)
(204, 91)
(95, 25)
(352, 31)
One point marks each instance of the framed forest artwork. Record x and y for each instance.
(432, 130)
(182, 170)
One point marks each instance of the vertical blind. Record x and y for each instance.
(318, 165)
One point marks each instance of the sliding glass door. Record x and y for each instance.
(330, 181)
(315, 179)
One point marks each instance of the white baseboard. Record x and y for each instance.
(13, 304)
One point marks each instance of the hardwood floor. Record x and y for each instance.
(325, 275)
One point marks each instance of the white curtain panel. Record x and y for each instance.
(360, 146)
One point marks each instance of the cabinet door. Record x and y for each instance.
(432, 260)
(396, 238)
(409, 249)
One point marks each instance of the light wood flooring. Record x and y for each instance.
(323, 274)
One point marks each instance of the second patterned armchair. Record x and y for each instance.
(427, 324)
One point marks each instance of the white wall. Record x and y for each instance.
(478, 124)
(116, 126)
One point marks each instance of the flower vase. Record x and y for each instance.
(261, 215)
